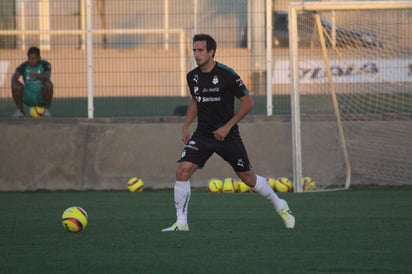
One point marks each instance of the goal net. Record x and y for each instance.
(351, 92)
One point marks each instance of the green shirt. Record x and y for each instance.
(33, 84)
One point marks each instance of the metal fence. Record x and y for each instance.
(121, 58)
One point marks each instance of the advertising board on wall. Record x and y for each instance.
(346, 71)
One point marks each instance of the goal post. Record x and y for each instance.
(351, 92)
(335, 104)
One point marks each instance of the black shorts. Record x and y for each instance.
(199, 149)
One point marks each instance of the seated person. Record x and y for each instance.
(37, 89)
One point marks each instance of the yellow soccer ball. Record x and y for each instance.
(283, 184)
(215, 185)
(230, 185)
(308, 184)
(243, 187)
(272, 182)
(135, 184)
(37, 111)
(75, 219)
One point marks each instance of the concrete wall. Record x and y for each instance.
(60, 154)
(102, 154)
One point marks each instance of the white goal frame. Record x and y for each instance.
(294, 8)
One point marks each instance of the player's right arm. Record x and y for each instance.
(16, 75)
(15, 83)
(190, 116)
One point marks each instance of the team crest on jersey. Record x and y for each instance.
(215, 80)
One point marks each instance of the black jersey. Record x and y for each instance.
(215, 93)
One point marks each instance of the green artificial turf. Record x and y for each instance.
(356, 231)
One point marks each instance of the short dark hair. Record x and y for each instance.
(33, 50)
(210, 42)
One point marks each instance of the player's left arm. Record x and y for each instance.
(246, 105)
(45, 76)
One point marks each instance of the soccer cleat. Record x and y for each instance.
(46, 113)
(287, 216)
(18, 114)
(176, 227)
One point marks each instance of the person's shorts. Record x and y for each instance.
(200, 148)
(32, 97)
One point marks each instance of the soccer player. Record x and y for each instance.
(213, 87)
(37, 89)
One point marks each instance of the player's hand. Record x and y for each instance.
(185, 136)
(221, 133)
